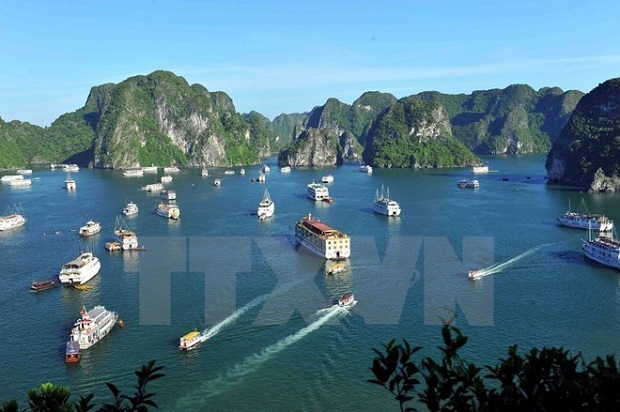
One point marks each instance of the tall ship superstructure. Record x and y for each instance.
(322, 239)
(604, 250)
(80, 270)
(385, 205)
(598, 223)
(266, 207)
(317, 191)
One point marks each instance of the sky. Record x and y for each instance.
(289, 56)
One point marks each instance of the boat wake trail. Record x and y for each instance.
(501, 266)
(215, 329)
(252, 362)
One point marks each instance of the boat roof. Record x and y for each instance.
(191, 335)
(317, 224)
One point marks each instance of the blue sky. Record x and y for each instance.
(288, 56)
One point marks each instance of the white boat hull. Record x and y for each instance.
(79, 276)
(12, 222)
(604, 253)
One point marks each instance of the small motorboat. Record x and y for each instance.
(474, 274)
(217, 183)
(190, 340)
(346, 300)
(72, 353)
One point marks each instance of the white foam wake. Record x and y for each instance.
(215, 329)
(501, 266)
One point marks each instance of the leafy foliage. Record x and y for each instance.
(49, 397)
(541, 380)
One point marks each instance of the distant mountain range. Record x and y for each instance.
(160, 119)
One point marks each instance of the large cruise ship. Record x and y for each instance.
(80, 270)
(322, 239)
(88, 330)
(604, 250)
(317, 191)
(384, 205)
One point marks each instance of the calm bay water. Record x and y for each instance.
(285, 347)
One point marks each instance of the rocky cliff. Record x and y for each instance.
(415, 133)
(587, 152)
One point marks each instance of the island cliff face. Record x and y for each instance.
(415, 133)
(587, 152)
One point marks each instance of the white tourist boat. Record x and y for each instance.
(130, 209)
(266, 169)
(366, 168)
(242, 172)
(191, 340)
(285, 169)
(480, 169)
(598, 223)
(10, 178)
(166, 179)
(229, 172)
(204, 172)
(475, 274)
(20, 182)
(12, 220)
(327, 179)
(70, 183)
(90, 228)
(261, 177)
(602, 249)
(90, 328)
(468, 184)
(321, 239)
(168, 210)
(24, 171)
(217, 183)
(149, 169)
(134, 173)
(347, 300)
(153, 187)
(167, 195)
(70, 167)
(317, 191)
(385, 205)
(80, 270)
(126, 238)
(171, 169)
(266, 207)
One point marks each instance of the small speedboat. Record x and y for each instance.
(474, 274)
(346, 300)
(38, 286)
(190, 340)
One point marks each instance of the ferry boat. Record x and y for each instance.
(130, 209)
(12, 221)
(80, 270)
(266, 207)
(384, 205)
(327, 179)
(90, 228)
(316, 191)
(20, 182)
(604, 250)
(153, 187)
(171, 169)
(166, 179)
(90, 328)
(474, 274)
(266, 169)
(347, 300)
(366, 169)
(190, 340)
(149, 169)
(24, 171)
(167, 195)
(468, 184)
(134, 172)
(38, 286)
(10, 178)
(70, 184)
(126, 238)
(480, 169)
(321, 239)
(168, 211)
(598, 223)
(285, 169)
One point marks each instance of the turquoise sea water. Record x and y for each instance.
(277, 343)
